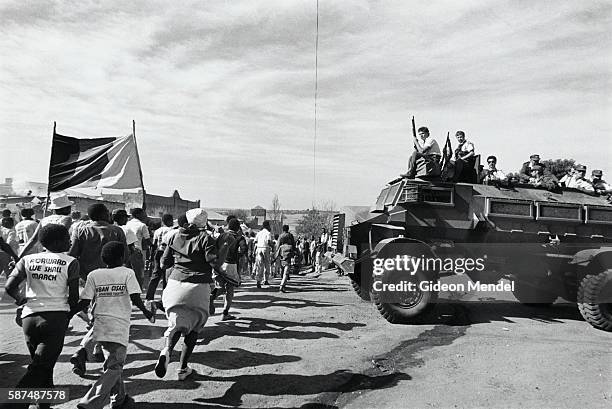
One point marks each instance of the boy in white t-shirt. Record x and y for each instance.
(113, 291)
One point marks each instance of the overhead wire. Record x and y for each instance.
(316, 95)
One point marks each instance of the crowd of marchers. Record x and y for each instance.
(96, 268)
(429, 161)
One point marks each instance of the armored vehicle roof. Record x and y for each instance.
(571, 196)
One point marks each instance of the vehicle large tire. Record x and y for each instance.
(594, 299)
(411, 306)
(534, 293)
(357, 287)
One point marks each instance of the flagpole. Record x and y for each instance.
(144, 193)
(49, 175)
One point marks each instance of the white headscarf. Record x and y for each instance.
(199, 217)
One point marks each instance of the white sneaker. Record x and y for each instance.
(184, 373)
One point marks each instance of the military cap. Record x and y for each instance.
(581, 168)
(597, 172)
(534, 156)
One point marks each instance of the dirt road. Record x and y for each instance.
(321, 346)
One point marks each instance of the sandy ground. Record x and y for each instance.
(320, 346)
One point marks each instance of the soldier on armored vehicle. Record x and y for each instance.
(551, 243)
(425, 160)
(601, 186)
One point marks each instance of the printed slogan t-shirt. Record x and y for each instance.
(47, 276)
(110, 290)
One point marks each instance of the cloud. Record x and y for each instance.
(222, 92)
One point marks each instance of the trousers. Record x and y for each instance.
(262, 264)
(44, 335)
(157, 275)
(110, 383)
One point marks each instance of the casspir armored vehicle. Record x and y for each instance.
(545, 244)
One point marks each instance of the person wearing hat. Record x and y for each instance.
(190, 256)
(579, 180)
(61, 207)
(537, 175)
(525, 172)
(599, 185)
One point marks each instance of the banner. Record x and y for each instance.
(94, 163)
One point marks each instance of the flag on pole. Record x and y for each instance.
(447, 154)
(94, 163)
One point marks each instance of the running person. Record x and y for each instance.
(113, 290)
(51, 291)
(192, 254)
(231, 246)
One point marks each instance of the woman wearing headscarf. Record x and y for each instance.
(191, 255)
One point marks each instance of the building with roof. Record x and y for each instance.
(214, 218)
(157, 205)
(258, 211)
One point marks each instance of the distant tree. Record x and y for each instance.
(241, 214)
(319, 217)
(559, 167)
(311, 224)
(276, 215)
(328, 208)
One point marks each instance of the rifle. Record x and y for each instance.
(414, 131)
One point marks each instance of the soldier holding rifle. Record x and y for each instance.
(426, 155)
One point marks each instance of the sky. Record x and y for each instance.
(222, 92)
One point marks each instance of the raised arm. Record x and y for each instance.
(15, 279)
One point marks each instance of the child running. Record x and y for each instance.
(111, 290)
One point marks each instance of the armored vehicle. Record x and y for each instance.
(545, 244)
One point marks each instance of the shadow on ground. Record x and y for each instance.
(341, 381)
(273, 329)
(266, 300)
(481, 312)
